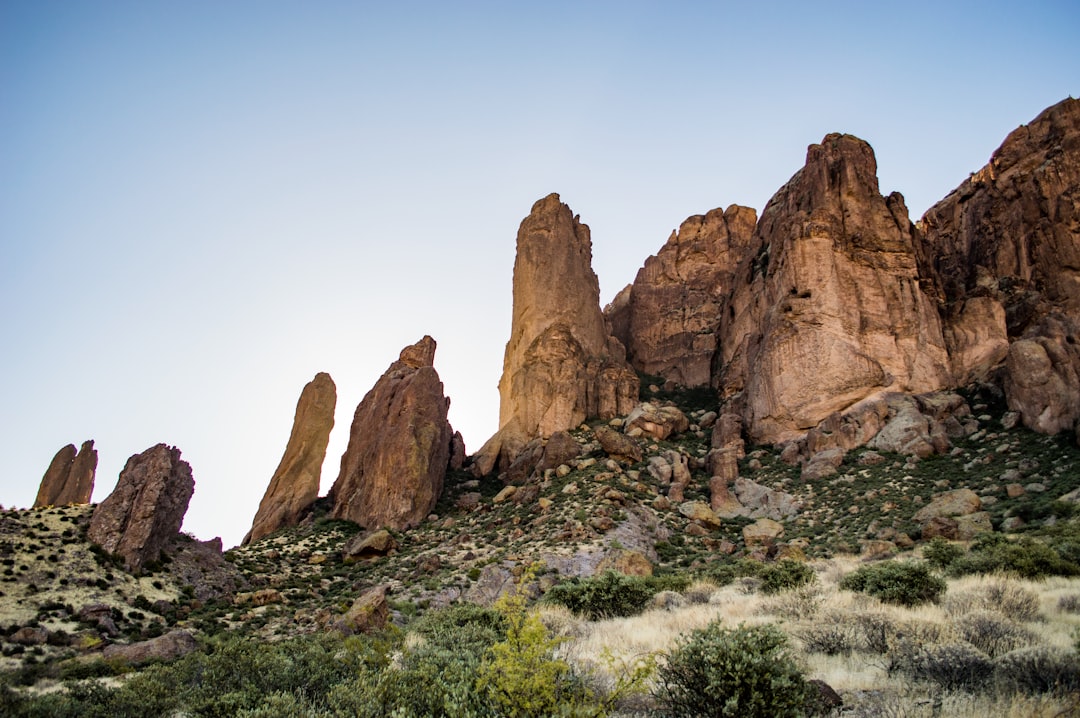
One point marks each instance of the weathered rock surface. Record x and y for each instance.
(370, 612)
(667, 319)
(295, 483)
(827, 308)
(368, 545)
(146, 509)
(561, 366)
(950, 504)
(393, 470)
(763, 532)
(656, 421)
(617, 446)
(168, 647)
(1001, 254)
(69, 478)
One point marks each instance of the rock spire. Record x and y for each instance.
(295, 483)
(70, 477)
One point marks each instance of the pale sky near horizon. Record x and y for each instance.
(202, 204)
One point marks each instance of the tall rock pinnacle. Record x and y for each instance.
(295, 483)
(828, 307)
(393, 470)
(69, 478)
(561, 366)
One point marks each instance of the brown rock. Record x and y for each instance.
(658, 422)
(295, 484)
(822, 464)
(1014, 490)
(667, 319)
(1042, 382)
(561, 365)
(950, 504)
(761, 501)
(393, 470)
(69, 478)
(722, 501)
(617, 446)
(626, 562)
(941, 526)
(970, 526)
(680, 475)
(370, 612)
(147, 507)
(828, 308)
(701, 512)
(560, 448)
(30, 636)
(763, 532)
(369, 545)
(168, 647)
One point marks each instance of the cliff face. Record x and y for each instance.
(826, 307)
(561, 365)
(1002, 256)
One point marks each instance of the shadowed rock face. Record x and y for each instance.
(69, 478)
(561, 366)
(147, 507)
(393, 470)
(667, 319)
(295, 483)
(827, 308)
(1002, 255)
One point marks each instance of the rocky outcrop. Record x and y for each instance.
(146, 509)
(1001, 254)
(667, 319)
(827, 307)
(393, 470)
(162, 649)
(295, 483)
(69, 478)
(561, 366)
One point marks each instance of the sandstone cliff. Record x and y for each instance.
(69, 478)
(827, 308)
(667, 319)
(295, 483)
(147, 507)
(1002, 256)
(561, 366)
(393, 470)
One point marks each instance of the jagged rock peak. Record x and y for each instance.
(70, 477)
(147, 507)
(561, 365)
(827, 308)
(400, 444)
(667, 319)
(295, 483)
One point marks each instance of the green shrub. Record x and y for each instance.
(785, 575)
(906, 584)
(940, 554)
(608, 595)
(745, 672)
(1039, 670)
(1026, 557)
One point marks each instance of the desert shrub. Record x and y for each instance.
(1026, 557)
(462, 626)
(785, 575)
(992, 634)
(746, 671)
(1069, 603)
(1004, 596)
(906, 584)
(873, 630)
(608, 595)
(832, 635)
(952, 666)
(799, 604)
(940, 554)
(1039, 669)
(699, 591)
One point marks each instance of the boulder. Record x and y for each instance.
(370, 612)
(827, 307)
(701, 512)
(626, 562)
(667, 319)
(69, 478)
(680, 475)
(617, 446)
(147, 507)
(657, 422)
(761, 501)
(1042, 380)
(960, 502)
(162, 649)
(393, 470)
(369, 545)
(763, 532)
(822, 464)
(561, 365)
(971, 525)
(295, 483)
(560, 448)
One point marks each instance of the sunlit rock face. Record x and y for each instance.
(561, 365)
(147, 507)
(69, 478)
(392, 472)
(1001, 254)
(827, 307)
(667, 319)
(295, 484)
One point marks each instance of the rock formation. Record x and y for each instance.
(295, 483)
(393, 470)
(69, 478)
(667, 319)
(147, 507)
(827, 308)
(561, 366)
(1002, 255)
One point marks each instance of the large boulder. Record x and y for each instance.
(561, 366)
(827, 308)
(392, 472)
(168, 647)
(295, 483)
(69, 478)
(667, 319)
(146, 509)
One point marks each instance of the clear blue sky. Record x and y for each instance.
(202, 204)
